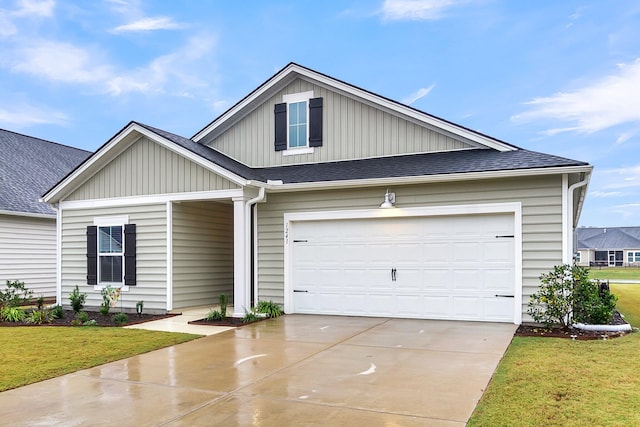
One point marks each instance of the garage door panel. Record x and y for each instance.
(449, 267)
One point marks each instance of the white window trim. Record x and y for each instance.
(292, 98)
(110, 221)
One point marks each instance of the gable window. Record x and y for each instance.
(111, 252)
(298, 123)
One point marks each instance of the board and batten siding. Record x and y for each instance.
(151, 255)
(541, 199)
(202, 253)
(351, 130)
(147, 168)
(28, 253)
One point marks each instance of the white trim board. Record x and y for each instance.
(490, 208)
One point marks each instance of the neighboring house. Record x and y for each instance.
(279, 198)
(608, 247)
(29, 167)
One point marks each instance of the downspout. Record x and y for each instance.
(570, 221)
(248, 240)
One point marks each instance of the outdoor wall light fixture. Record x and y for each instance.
(389, 200)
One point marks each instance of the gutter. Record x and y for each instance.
(571, 220)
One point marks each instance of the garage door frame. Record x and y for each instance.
(515, 208)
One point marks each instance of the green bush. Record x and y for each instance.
(215, 315)
(82, 317)
(15, 294)
(12, 314)
(104, 309)
(120, 318)
(270, 308)
(249, 317)
(567, 295)
(57, 312)
(77, 300)
(39, 317)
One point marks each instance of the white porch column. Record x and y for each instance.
(241, 292)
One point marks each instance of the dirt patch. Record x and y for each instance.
(100, 320)
(528, 330)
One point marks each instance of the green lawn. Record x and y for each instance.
(32, 354)
(615, 273)
(559, 382)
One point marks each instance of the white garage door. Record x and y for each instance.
(447, 267)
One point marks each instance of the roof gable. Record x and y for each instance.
(293, 71)
(30, 166)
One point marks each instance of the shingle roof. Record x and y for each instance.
(609, 238)
(30, 166)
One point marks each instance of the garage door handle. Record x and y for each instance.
(393, 274)
(299, 290)
(506, 236)
(505, 296)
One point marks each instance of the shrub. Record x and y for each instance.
(15, 294)
(120, 318)
(40, 303)
(39, 317)
(12, 314)
(249, 317)
(566, 295)
(82, 317)
(270, 308)
(57, 312)
(224, 301)
(104, 309)
(77, 300)
(215, 315)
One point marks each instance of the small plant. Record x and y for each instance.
(139, 307)
(250, 317)
(214, 315)
(38, 317)
(270, 308)
(12, 314)
(15, 294)
(82, 317)
(77, 300)
(104, 309)
(224, 301)
(40, 303)
(91, 322)
(57, 312)
(120, 318)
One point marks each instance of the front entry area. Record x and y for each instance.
(455, 267)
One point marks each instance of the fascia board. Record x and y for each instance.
(28, 214)
(125, 137)
(293, 69)
(424, 179)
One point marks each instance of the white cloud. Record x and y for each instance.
(603, 194)
(24, 115)
(610, 101)
(418, 10)
(420, 93)
(149, 24)
(35, 8)
(58, 61)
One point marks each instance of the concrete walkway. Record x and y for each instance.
(181, 323)
(294, 370)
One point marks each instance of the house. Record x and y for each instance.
(608, 247)
(29, 167)
(325, 198)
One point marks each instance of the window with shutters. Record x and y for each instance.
(111, 252)
(298, 124)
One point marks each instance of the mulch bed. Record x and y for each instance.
(528, 330)
(69, 317)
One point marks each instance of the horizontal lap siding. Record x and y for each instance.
(541, 199)
(351, 129)
(202, 253)
(151, 255)
(28, 253)
(147, 168)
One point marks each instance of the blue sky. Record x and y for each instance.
(561, 77)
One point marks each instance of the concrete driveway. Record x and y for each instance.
(296, 370)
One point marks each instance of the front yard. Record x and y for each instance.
(559, 382)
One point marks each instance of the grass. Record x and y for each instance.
(615, 273)
(32, 354)
(559, 382)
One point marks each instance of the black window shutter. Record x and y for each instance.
(315, 122)
(280, 114)
(92, 255)
(130, 254)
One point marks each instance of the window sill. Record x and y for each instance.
(123, 288)
(296, 151)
